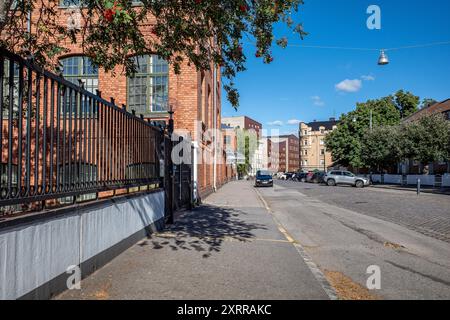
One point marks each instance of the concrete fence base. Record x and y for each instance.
(36, 253)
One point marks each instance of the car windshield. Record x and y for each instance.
(264, 174)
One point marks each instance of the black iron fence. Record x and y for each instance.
(61, 143)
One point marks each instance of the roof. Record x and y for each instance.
(328, 125)
(438, 107)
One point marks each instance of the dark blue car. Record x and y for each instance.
(263, 179)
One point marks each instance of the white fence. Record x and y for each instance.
(393, 179)
(425, 180)
(376, 178)
(446, 180)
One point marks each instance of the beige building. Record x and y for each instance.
(313, 153)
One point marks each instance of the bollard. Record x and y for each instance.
(418, 187)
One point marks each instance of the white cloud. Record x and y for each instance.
(276, 123)
(368, 78)
(294, 122)
(317, 101)
(349, 85)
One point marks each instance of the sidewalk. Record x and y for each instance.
(230, 248)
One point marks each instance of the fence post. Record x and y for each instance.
(170, 179)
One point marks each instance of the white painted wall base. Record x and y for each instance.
(37, 252)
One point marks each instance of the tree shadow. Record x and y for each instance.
(205, 229)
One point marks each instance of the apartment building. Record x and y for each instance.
(194, 96)
(313, 152)
(285, 153)
(247, 127)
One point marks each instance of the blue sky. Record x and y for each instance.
(301, 82)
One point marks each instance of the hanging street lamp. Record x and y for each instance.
(383, 60)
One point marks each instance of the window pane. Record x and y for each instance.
(148, 91)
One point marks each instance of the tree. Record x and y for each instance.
(427, 140)
(406, 103)
(381, 147)
(427, 102)
(200, 32)
(345, 143)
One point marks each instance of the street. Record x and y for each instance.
(295, 241)
(346, 230)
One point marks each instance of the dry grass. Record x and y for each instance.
(347, 289)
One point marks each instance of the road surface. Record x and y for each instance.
(345, 230)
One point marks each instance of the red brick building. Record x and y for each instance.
(194, 96)
(286, 150)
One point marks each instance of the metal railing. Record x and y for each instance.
(58, 141)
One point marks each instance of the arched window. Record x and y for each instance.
(81, 68)
(148, 89)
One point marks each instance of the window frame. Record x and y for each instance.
(150, 85)
(83, 77)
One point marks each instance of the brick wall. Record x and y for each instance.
(191, 94)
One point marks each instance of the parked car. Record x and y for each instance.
(318, 177)
(301, 177)
(263, 179)
(309, 176)
(287, 176)
(337, 177)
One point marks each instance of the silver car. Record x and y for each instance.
(336, 177)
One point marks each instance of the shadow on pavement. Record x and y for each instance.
(205, 229)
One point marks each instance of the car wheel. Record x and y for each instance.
(359, 184)
(331, 183)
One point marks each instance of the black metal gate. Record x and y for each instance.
(177, 180)
(182, 178)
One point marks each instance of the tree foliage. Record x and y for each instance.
(201, 32)
(345, 143)
(427, 140)
(406, 103)
(389, 141)
(382, 147)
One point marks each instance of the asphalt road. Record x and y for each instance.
(345, 230)
(428, 214)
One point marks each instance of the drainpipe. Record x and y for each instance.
(215, 127)
(195, 171)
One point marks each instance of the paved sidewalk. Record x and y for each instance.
(230, 248)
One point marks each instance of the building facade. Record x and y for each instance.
(194, 96)
(246, 127)
(313, 151)
(285, 153)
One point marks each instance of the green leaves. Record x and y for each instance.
(354, 144)
(427, 140)
(389, 141)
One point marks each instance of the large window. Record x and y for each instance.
(81, 68)
(148, 89)
(6, 89)
(76, 69)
